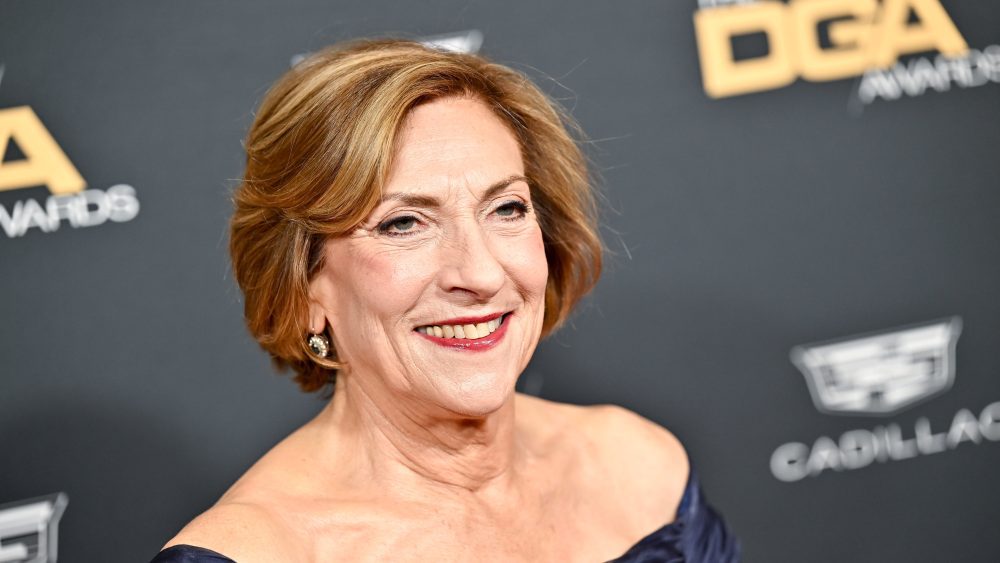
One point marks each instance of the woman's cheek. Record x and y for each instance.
(526, 260)
(540, 264)
(385, 279)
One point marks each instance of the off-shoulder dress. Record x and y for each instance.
(697, 535)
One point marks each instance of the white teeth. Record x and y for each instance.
(469, 331)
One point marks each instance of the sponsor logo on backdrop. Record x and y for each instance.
(824, 40)
(459, 42)
(29, 529)
(462, 42)
(44, 163)
(881, 374)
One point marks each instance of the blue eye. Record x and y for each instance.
(397, 225)
(512, 209)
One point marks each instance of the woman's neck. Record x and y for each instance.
(423, 448)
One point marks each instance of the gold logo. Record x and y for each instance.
(863, 35)
(44, 161)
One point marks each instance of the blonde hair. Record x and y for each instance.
(321, 147)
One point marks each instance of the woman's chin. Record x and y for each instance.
(479, 395)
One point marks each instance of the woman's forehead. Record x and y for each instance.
(452, 144)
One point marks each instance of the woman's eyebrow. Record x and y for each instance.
(499, 186)
(416, 200)
(412, 200)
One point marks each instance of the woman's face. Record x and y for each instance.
(439, 296)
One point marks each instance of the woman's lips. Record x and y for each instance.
(456, 333)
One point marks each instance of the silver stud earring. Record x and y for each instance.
(319, 344)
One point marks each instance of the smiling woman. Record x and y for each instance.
(410, 224)
(319, 159)
(455, 245)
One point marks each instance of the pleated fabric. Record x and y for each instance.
(697, 535)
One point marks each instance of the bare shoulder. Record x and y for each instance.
(641, 463)
(638, 439)
(260, 517)
(613, 429)
(242, 531)
(646, 462)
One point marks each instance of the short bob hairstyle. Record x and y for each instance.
(321, 147)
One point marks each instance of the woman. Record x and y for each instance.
(410, 223)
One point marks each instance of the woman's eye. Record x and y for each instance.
(398, 225)
(512, 210)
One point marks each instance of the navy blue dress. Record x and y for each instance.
(697, 535)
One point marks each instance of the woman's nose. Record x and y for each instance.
(471, 265)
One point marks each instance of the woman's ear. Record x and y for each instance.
(317, 319)
(318, 298)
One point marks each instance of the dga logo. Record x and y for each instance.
(881, 373)
(44, 163)
(824, 40)
(459, 42)
(29, 529)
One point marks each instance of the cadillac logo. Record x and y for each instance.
(878, 374)
(29, 529)
(881, 373)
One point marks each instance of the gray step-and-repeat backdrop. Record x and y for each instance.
(801, 208)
